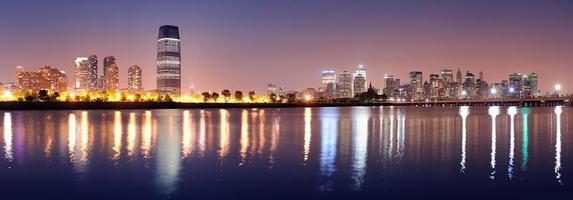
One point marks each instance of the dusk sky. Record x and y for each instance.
(241, 44)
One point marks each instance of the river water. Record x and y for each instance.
(290, 153)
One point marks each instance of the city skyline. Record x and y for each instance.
(210, 54)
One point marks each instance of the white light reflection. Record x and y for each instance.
(8, 135)
(493, 112)
(464, 112)
(116, 136)
(168, 155)
(131, 135)
(307, 132)
(329, 136)
(557, 169)
(244, 136)
(360, 145)
(188, 134)
(224, 135)
(202, 132)
(72, 131)
(275, 130)
(400, 134)
(146, 137)
(391, 137)
(511, 111)
(84, 141)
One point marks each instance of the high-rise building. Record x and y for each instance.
(523, 85)
(82, 72)
(46, 78)
(459, 77)
(361, 69)
(57, 79)
(447, 76)
(359, 84)
(328, 84)
(344, 87)
(436, 87)
(416, 84)
(169, 61)
(469, 86)
(359, 79)
(92, 73)
(111, 74)
(391, 85)
(328, 76)
(134, 78)
(535, 92)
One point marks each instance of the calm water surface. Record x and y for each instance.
(350, 152)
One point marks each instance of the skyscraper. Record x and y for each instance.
(134, 78)
(82, 74)
(447, 75)
(416, 84)
(111, 74)
(533, 85)
(56, 78)
(359, 83)
(391, 85)
(328, 84)
(359, 79)
(344, 88)
(328, 76)
(169, 61)
(92, 73)
(459, 77)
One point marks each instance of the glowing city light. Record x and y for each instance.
(493, 91)
(307, 98)
(557, 87)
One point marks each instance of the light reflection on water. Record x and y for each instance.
(178, 153)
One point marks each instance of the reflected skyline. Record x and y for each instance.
(351, 144)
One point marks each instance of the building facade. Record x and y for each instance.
(416, 84)
(391, 85)
(169, 61)
(134, 79)
(46, 78)
(111, 74)
(92, 73)
(344, 88)
(82, 72)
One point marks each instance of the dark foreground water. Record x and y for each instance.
(298, 153)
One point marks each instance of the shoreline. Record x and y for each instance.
(175, 105)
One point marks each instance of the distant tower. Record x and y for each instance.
(359, 79)
(111, 74)
(169, 61)
(344, 89)
(92, 73)
(480, 75)
(459, 77)
(134, 78)
(82, 74)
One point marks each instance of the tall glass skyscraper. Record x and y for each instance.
(92, 73)
(111, 74)
(169, 61)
